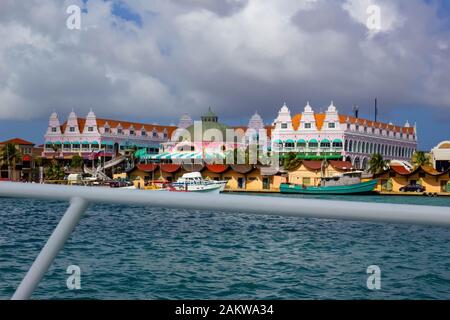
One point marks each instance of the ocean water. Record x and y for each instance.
(127, 252)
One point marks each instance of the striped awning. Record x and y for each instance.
(184, 155)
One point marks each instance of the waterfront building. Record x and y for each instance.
(238, 177)
(207, 139)
(332, 135)
(22, 167)
(93, 137)
(398, 176)
(310, 172)
(440, 156)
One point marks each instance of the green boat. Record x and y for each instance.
(347, 183)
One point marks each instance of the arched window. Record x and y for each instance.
(350, 146)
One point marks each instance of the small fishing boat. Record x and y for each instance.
(347, 183)
(193, 182)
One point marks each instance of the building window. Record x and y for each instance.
(289, 145)
(132, 132)
(106, 130)
(119, 131)
(331, 125)
(337, 144)
(72, 129)
(307, 125)
(365, 129)
(313, 144)
(306, 181)
(284, 126)
(155, 134)
(348, 126)
(143, 133)
(325, 144)
(54, 129)
(356, 127)
(91, 129)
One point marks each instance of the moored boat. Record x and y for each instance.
(347, 183)
(194, 182)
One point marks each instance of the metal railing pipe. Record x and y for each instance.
(313, 208)
(52, 247)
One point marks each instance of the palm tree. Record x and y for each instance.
(420, 158)
(291, 162)
(11, 155)
(76, 162)
(377, 164)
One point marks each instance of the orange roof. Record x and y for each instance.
(18, 141)
(296, 121)
(125, 125)
(369, 123)
(320, 118)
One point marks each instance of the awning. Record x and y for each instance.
(170, 167)
(184, 155)
(289, 141)
(337, 141)
(147, 167)
(313, 141)
(217, 168)
(75, 142)
(278, 141)
(85, 142)
(325, 141)
(108, 143)
(94, 142)
(301, 141)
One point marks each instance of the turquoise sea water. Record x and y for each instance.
(127, 252)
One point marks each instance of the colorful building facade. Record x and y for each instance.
(23, 167)
(92, 136)
(335, 136)
(440, 156)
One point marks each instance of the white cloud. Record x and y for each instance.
(236, 56)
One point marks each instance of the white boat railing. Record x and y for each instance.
(80, 197)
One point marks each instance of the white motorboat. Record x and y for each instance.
(194, 182)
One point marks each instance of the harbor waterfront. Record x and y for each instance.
(135, 252)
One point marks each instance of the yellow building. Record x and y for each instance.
(239, 177)
(309, 172)
(398, 176)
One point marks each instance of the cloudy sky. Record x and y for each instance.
(152, 60)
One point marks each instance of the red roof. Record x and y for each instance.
(170, 167)
(18, 141)
(217, 168)
(150, 167)
(400, 170)
(341, 165)
(312, 165)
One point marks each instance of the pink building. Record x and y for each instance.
(334, 136)
(92, 137)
